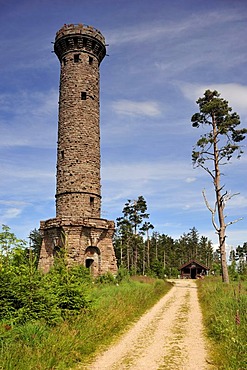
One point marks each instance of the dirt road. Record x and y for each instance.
(169, 336)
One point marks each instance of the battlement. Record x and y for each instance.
(73, 29)
(79, 38)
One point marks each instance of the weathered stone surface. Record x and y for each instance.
(78, 226)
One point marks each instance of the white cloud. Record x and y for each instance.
(233, 237)
(190, 179)
(164, 182)
(237, 202)
(13, 172)
(147, 171)
(32, 119)
(12, 202)
(234, 93)
(10, 213)
(24, 184)
(134, 108)
(157, 30)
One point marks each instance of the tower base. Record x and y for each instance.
(86, 241)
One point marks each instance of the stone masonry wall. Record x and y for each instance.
(78, 155)
(79, 237)
(78, 228)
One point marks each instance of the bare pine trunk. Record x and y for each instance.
(128, 256)
(148, 254)
(225, 276)
(220, 207)
(121, 253)
(144, 259)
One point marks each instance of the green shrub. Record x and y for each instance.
(35, 345)
(224, 310)
(122, 274)
(106, 278)
(27, 294)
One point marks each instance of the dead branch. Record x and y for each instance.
(213, 211)
(207, 170)
(233, 222)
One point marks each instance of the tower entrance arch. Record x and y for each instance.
(93, 260)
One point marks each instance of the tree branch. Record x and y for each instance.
(213, 211)
(207, 170)
(229, 196)
(233, 222)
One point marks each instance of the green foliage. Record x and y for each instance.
(30, 333)
(213, 150)
(234, 276)
(130, 228)
(214, 109)
(27, 294)
(222, 140)
(238, 258)
(122, 275)
(35, 345)
(135, 212)
(224, 311)
(157, 269)
(71, 287)
(106, 278)
(35, 243)
(156, 255)
(9, 241)
(241, 258)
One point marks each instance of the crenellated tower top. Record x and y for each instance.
(79, 37)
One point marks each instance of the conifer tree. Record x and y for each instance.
(213, 150)
(129, 227)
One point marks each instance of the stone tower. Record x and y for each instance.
(78, 228)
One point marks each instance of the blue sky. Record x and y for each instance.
(162, 56)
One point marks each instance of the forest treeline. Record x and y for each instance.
(26, 293)
(140, 249)
(143, 251)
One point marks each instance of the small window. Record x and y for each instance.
(90, 60)
(83, 95)
(76, 58)
(62, 154)
(64, 61)
(91, 201)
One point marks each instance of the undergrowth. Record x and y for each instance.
(224, 312)
(38, 345)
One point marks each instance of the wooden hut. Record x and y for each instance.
(193, 270)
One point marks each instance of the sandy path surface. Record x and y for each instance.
(169, 336)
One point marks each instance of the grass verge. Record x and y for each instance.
(38, 346)
(224, 312)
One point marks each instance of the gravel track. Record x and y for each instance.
(169, 336)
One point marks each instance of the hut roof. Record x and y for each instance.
(195, 262)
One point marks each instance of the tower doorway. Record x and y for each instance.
(92, 260)
(89, 262)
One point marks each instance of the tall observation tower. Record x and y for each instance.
(78, 226)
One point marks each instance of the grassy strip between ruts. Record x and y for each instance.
(38, 346)
(224, 312)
